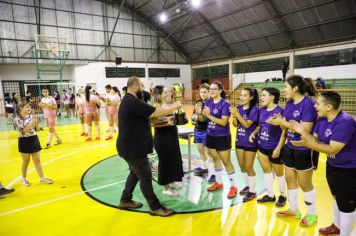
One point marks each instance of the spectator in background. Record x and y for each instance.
(66, 97)
(57, 97)
(285, 68)
(9, 108)
(71, 105)
(124, 91)
(320, 83)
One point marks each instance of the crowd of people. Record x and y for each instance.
(286, 142)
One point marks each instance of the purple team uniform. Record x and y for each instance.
(341, 167)
(243, 133)
(299, 158)
(219, 137)
(200, 129)
(269, 135)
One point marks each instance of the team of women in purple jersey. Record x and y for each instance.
(286, 142)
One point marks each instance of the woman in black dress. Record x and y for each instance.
(166, 144)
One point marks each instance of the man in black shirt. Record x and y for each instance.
(133, 146)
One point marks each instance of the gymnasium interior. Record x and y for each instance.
(69, 44)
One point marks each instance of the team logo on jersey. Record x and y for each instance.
(328, 132)
(296, 113)
(215, 111)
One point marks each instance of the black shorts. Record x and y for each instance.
(9, 110)
(269, 152)
(71, 106)
(247, 149)
(342, 185)
(299, 159)
(29, 144)
(221, 143)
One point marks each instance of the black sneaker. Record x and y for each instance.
(244, 191)
(266, 198)
(249, 196)
(212, 179)
(200, 172)
(281, 201)
(4, 191)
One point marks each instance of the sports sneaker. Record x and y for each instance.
(25, 183)
(47, 146)
(309, 220)
(97, 138)
(212, 179)
(266, 198)
(232, 193)
(289, 214)
(58, 142)
(83, 134)
(45, 180)
(281, 201)
(215, 187)
(249, 196)
(245, 190)
(88, 139)
(5, 191)
(170, 192)
(108, 138)
(330, 230)
(200, 172)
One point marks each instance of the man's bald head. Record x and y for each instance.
(133, 80)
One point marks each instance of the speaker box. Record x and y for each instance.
(118, 60)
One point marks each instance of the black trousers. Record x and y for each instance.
(140, 171)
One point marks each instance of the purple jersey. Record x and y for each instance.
(269, 135)
(218, 110)
(243, 133)
(343, 130)
(303, 111)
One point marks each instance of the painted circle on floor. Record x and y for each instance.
(105, 181)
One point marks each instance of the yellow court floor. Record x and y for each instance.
(64, 209)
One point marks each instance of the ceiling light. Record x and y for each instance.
(163, 17)
(196, 3)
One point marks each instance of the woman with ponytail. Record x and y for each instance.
(299, 161)
(218, 139)
(91, 112)
(245, 118)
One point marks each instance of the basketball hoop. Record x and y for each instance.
(53, 47)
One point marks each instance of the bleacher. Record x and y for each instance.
(345, 87)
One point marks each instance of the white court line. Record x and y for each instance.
(58, 199)
(52, 160)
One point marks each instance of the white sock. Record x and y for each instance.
(211, 169)
(293, 199)
(282, 185)
(336, 214)
(98, 131)
(245, 176)
(50, 138)
(268, 179)
(218, 174)
(89, 131)
(252, 181)
(232, 178)
(205, 164)
(346, 223)
(83, 128)
(309, 198)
